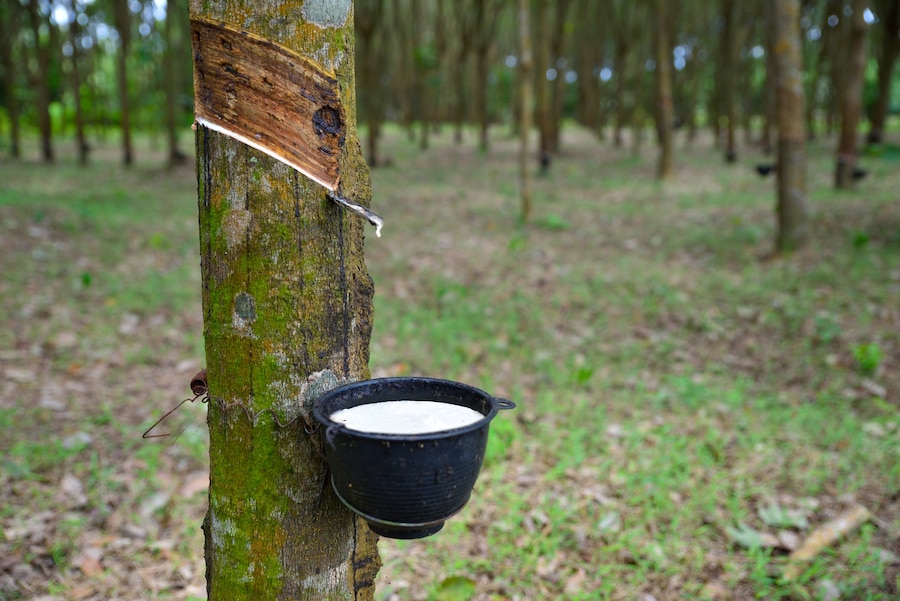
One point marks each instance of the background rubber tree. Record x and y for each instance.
(287, 305)
(793, 205)
(889, 12)
(10, 22)
(629, 21)
(542, 105)
(174, 37)
(526, 66)
(368, 19)
(486, 14)
(663, 89)
(557, 40)
(123, 21)
(728, 65)
(851, 97)
(74, 29)
(44, 52)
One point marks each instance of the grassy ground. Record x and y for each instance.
(690, 408)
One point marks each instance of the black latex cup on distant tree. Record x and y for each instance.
(405, 485)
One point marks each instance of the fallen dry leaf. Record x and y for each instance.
(575, 582)
(824, 536)
(789, 540)
(714, 591)
(71, 492)
(82, 591)
(744, 536)
(90, 566)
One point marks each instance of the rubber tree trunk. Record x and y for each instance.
(621, 63)
(587, 102)
(851, 98)
(558, 85)
(728, 76)
(663, 91)
(171, 64)
(367, 21)
(526, 67)
(123, 26)
(42, 80)
(287, 306)
(465, 25)
(422, 69)
(542, 86)
(485, 18)
(80, 138)
(10, 21)
(769, 83)
(825, 67)
(793, 205)
(436, 98)
(890, 48)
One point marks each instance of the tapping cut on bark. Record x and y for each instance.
(268, 97)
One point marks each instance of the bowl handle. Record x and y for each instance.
(331, 431)
(504, 404)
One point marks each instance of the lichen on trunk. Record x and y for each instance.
(286, 295)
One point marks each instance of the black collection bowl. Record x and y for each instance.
(405, 485)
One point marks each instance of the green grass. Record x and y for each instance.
(101, 289)
(659, 360)
(674, 381)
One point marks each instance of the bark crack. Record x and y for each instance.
(247, 268)
(346, 299)
(296, 186)
(207, 201)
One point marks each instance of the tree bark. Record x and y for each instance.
(824, 67)
(626, 27)
(465, 23)
(622, 73)
(41, 81)
(663, 91)
(526, 65)
(80, 138)
(486, 15)
(793, 206)
(287, 306)
(728, 76)
(588, 55)
(558, 85)
(542, 86)
(122, 17)
(835, 61)
(172, 70)
(422, 69)
(367, 16)
(851, 99)
(10, 21)
(890, 48)
(769, 83)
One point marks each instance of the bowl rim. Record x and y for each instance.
(333, 428)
